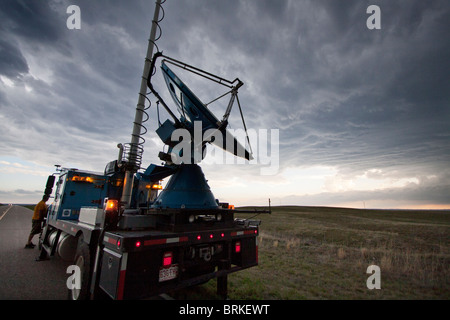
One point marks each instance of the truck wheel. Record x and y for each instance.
(83, 260)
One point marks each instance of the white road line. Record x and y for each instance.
(6, 211)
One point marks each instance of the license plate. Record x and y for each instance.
(168, 273)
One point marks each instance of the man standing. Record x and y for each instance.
(36, 223)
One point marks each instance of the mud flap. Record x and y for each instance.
(111, 274)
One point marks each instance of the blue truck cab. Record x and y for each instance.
(76, 189)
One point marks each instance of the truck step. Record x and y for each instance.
(45, 253)
(47, 248)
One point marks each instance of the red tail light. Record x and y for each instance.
(167, 259)
(237, 247)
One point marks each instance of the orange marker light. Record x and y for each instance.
(112, 205)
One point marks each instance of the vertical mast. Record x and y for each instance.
(135, 149)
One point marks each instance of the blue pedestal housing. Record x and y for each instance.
(187, 189)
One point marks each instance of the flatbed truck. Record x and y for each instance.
(129, 238)
(142, 252)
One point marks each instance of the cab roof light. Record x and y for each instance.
(82, 179)
(156, 186)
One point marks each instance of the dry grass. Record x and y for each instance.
(323, 253)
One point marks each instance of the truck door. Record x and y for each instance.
(60, 184)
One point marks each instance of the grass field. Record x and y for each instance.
(323, 253)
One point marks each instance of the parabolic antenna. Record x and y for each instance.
(192, 109)
(187, 187)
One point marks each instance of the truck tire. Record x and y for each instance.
(84, 261)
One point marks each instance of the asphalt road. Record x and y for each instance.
(21, 277)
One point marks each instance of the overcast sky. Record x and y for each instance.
(363, 115)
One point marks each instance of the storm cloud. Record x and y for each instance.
(366, 103)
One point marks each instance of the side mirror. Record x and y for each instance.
(49, 185)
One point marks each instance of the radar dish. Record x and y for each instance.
(192, 109)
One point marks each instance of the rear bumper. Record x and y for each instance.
(131, 271)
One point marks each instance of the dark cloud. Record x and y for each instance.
(32, 20)
(341, 95)
(390, 92)
(12, 62)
